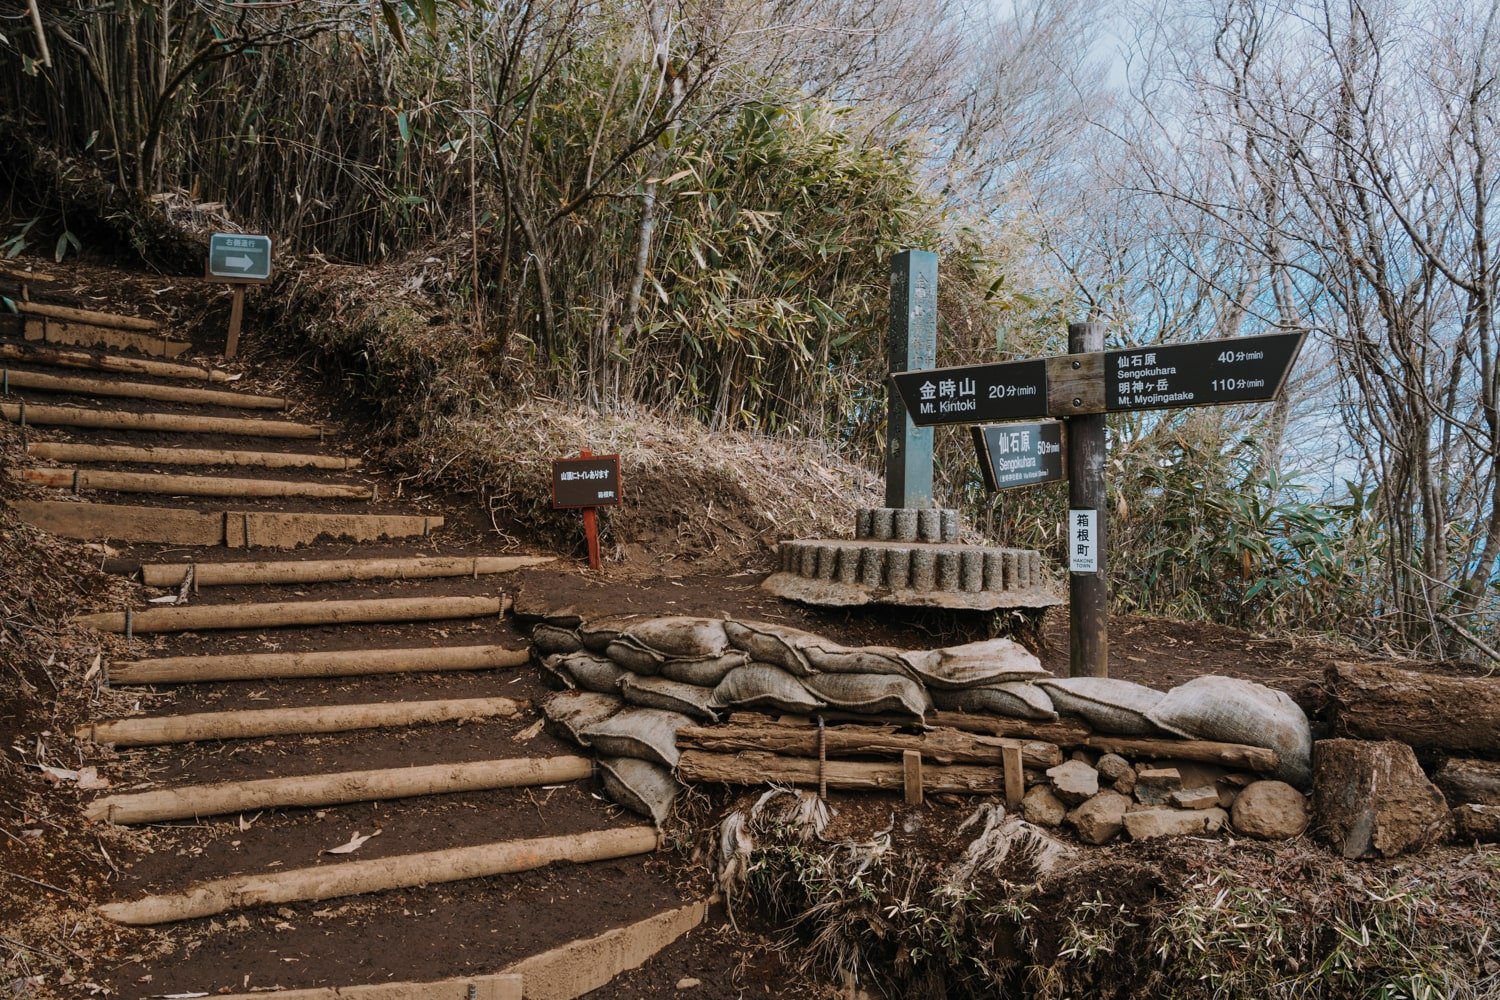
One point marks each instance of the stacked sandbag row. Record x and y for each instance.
(950, 568)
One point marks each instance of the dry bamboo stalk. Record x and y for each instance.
(324, 663)
(333, 789)
(248, 724)
(278, 614)
(186, 423)
(379, 874)
(187, 486)
(140, 390)
(326, 570)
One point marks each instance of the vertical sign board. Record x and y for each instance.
(237, 259)
(912, 347)
(1020, 454)
(1083, 541)
(587, 482)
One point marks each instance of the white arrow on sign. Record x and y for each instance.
(242, 263)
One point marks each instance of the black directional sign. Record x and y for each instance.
(974, 394)
(1208, 373)
(1020, 454)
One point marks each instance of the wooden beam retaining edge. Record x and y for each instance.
(379, 874)
(253, 723)
(328, 570)
(61, 357)
(191, 801)
(176, 423)
(278, 614)
(323, 663)
(232, 528)
(51, 331)
(186, 486)
(501, 986)
(13, 379)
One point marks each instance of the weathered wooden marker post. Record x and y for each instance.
(237, 259)
(912, 347)
(1081, 387)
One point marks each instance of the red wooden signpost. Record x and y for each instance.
(588, 482)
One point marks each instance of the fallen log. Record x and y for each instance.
(138, 390)
(184, 423)
(186, 486)
(379, 874)
(1427, 711)
(61, 357)
(1478, 822)
(325, 663)
(1236, 755)
(70, 314)
(248, 724)
(756, 768)
(192, 801)
(63, 452)
(278, 614)
(1469, 782)
(940, 746)
(327, 570)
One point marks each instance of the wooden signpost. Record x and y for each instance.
(237, 259)
(587, 482)
(1080, 388)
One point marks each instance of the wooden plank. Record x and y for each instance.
(50, 331)
(62, 452)
(756, 768)
(189, 801)
(940, 746)
(1075, 383)
(1015, 776)
(90, 521)
(114, 321)
(186, 423)
(911, 776)
(272, 530)
(22, 379)
(502, 986)
(380, 874)
(186, 486)
(327, 570)
(280, 614)
(319, 663)
(255, 723)
(60, 357)
(580, 967)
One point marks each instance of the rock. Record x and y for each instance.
(1227, 793)
(1371, 799)
(1082, 755)
(1043, 808)
(1270, 810)
(1073, 781)
(689, 983)
(1113, 766)
(1125, 783)
(1478, 822)
(1203, 797)
(1146, 824)
(1099, 820)
(1158, 777)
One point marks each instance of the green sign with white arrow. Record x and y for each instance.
(239, 256)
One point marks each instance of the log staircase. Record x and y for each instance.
(318, 663)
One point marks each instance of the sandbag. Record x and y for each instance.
(640, 786)
(760, 685)
(992, 661)
(571, 712)
(643, 733)
(681, 637)
(656, 692)
(1107, 704)
(1013, 700)
(596, 635)
(552, 640)
(553, 673)
(871, 693)
(590, 672)
(831, 658)
(707, 672)
(633, 656)
(778, 645)
(1230, 710)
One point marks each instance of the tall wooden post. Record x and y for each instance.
(1088, 596)
(236, 317)
(912, 346)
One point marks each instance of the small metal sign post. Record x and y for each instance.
(1081, 387)
(237, 259)
(588, 482)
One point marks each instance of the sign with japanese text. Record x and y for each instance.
(976, 394)
(586, 482)
(239, 257)
(1083, 541)
(1020, 454)
(1208, 373)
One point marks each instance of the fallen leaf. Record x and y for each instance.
(88, 779)
(355, 843)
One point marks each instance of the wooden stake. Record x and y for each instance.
(1015, 776)
(1088, 593)
(236, 314)
(911, 774)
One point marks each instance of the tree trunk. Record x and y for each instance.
(1466, 782)
(1428, 711)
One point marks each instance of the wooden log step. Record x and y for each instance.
(378, 874)
(51, 331)
(75, 315)
(233, 528)
(16, 273)
(757, 768)
(333, 570)
(11, 378)
(60, 357)
(323, 663)
(253, 723)
(191, 801)
(186, 486)
(941, 746)
(64, 452)
(279, 614)
(177, 423)
(500, 986)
